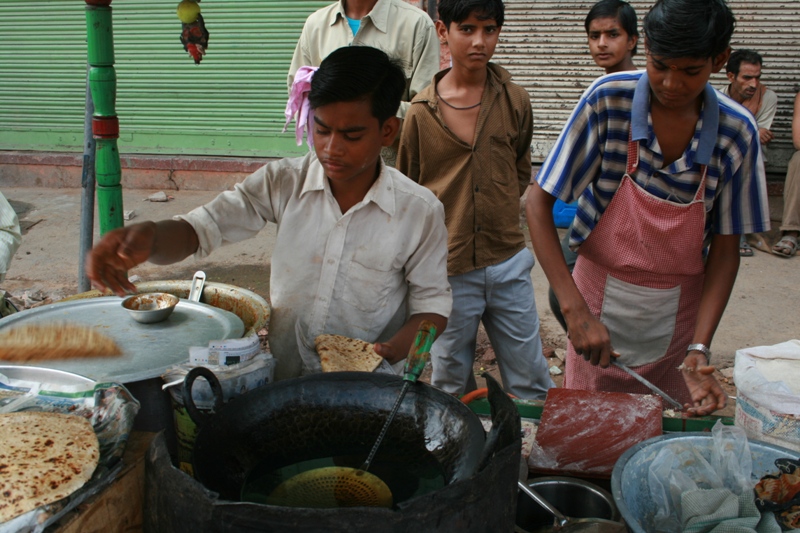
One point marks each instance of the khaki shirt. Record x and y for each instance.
(358, 274)
(401, 30)
(480, 186)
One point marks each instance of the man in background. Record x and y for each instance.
(401, 30)
(745, 87)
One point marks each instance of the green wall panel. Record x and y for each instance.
(230, 104)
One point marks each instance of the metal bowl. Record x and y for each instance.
(629, 479)
(150, 307)
(574, 497)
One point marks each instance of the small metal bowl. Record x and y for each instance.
(150, 307)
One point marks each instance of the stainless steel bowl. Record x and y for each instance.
(574, 497)
(150, 307)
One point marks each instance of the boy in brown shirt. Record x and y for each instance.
(467, 138)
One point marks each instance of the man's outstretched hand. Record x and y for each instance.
(120, 250)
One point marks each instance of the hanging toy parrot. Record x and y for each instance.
(194, 36)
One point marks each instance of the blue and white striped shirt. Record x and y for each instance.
(590, 155)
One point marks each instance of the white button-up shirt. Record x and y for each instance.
(359, 274)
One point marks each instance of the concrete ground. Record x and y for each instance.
(763, 308)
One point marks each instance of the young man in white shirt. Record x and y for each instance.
(361, 250)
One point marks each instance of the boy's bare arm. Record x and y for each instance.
(396, 348)
(162, 243)
(721, 269)
(589, 336)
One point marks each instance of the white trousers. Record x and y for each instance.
(500, 296)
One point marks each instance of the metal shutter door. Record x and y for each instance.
(543, 44)
(231, 104)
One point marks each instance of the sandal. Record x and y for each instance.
(745, 250)
(786, 247)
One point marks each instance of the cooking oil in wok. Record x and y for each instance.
(406, 479)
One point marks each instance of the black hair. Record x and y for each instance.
(617, 9)
(459, 10)
(699, 29)
(355, 73)
(743, 55)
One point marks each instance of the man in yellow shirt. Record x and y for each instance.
(403, 31)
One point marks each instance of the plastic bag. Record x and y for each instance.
(681, 467)
(750, 379)
(109, 407)
(768, 404)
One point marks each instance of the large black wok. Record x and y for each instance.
(291, 419)
(333, 414)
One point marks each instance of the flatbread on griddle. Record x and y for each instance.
(44, 457)
(340, 354)
(41, 342)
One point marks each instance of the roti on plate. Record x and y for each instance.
(39, 342)
(340, 354)
(44, 457)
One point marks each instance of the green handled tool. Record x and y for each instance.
(415, 364)
(420, 351)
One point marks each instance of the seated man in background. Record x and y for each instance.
(745, 87)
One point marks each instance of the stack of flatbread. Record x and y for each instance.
(341, 354)
(44, 457)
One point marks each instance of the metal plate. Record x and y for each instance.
(149, 349)
(49, 376)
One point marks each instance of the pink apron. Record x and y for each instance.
(641, 272)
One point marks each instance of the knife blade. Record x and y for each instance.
(643, 381)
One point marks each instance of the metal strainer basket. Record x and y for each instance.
(331, 487)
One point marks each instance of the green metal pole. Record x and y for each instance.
(105, 124)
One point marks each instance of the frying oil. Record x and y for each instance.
(406, 479)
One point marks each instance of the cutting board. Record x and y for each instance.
(583, 433)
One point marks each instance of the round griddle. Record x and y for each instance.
(149, 349)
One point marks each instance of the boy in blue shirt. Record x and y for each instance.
(663, 167)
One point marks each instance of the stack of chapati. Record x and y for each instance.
(44, 457)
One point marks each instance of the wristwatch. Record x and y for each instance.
(702, 348)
